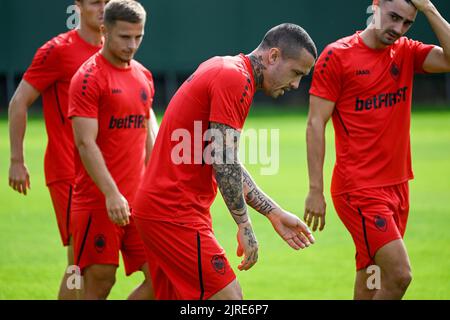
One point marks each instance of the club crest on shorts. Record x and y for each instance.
(218, 263)
(100, 243)
(381, 223)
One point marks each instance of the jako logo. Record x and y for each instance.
(362, 72)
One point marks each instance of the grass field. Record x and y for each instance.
(32, 259)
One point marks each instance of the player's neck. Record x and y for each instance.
(370, 39)
(93, 37)
(108, 55)
(256, 60)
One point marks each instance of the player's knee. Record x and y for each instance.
(235, 293)
(403, 279)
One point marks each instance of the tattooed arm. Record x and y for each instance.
(228, 172)
(256, 198)
(290, 228)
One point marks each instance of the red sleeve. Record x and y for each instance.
(44, 69)
(84, 95)
(151, 85)
(229, 99)
(327, 77)
(420, 52)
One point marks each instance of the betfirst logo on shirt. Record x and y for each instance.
(133, 121)
(386, 100)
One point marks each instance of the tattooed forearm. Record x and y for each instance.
(255, 198)
(228, 170)
(258, 67)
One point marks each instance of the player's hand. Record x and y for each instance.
(19, 178)
(421, 5)
(315, 210)
(247, 246)
(118, 209)
(291, 229)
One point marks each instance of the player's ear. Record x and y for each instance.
(103, 30)
(274, 55)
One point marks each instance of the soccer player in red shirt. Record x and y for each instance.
(110, 100)
(364, 83)
(172, 207)
(49, 75)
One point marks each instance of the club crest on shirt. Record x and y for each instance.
(218, 263)
(381, 223)
(395, 71)
(100, 243)
(144, 96)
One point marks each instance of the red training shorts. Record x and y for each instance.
(374, 217)
(61, 194)
(97, 240)
(186, 262)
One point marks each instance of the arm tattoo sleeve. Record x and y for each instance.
(255, 198)
(228, 170)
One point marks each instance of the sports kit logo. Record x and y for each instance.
(395, 71)
(218, 263)
(133, 121)
(362, 72)
(99, 243)
(144, 96)
(381, 223)
(379, 101)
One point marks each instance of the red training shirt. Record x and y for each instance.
(50, 73)
(120, 99)
(372, 91)
(221, 90)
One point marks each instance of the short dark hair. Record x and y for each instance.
(290, 39)
(124, 10)
(408, 1)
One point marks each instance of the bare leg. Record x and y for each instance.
(66, 293)
(98, 281)
(362, 292)
(232, 291)
(145, 290)
(395, 271)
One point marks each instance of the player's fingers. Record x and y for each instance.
(113, 214)
(304, 230)
(293, 245)
(316, 223)
(240, 250)
(23, 187)
(299, 242)
(322, 223)
(14, 184)
(244, 263)
(251, 260)
(126, 214)
(19, 187)
(247, 262)
(304, 239)
(309, 219)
